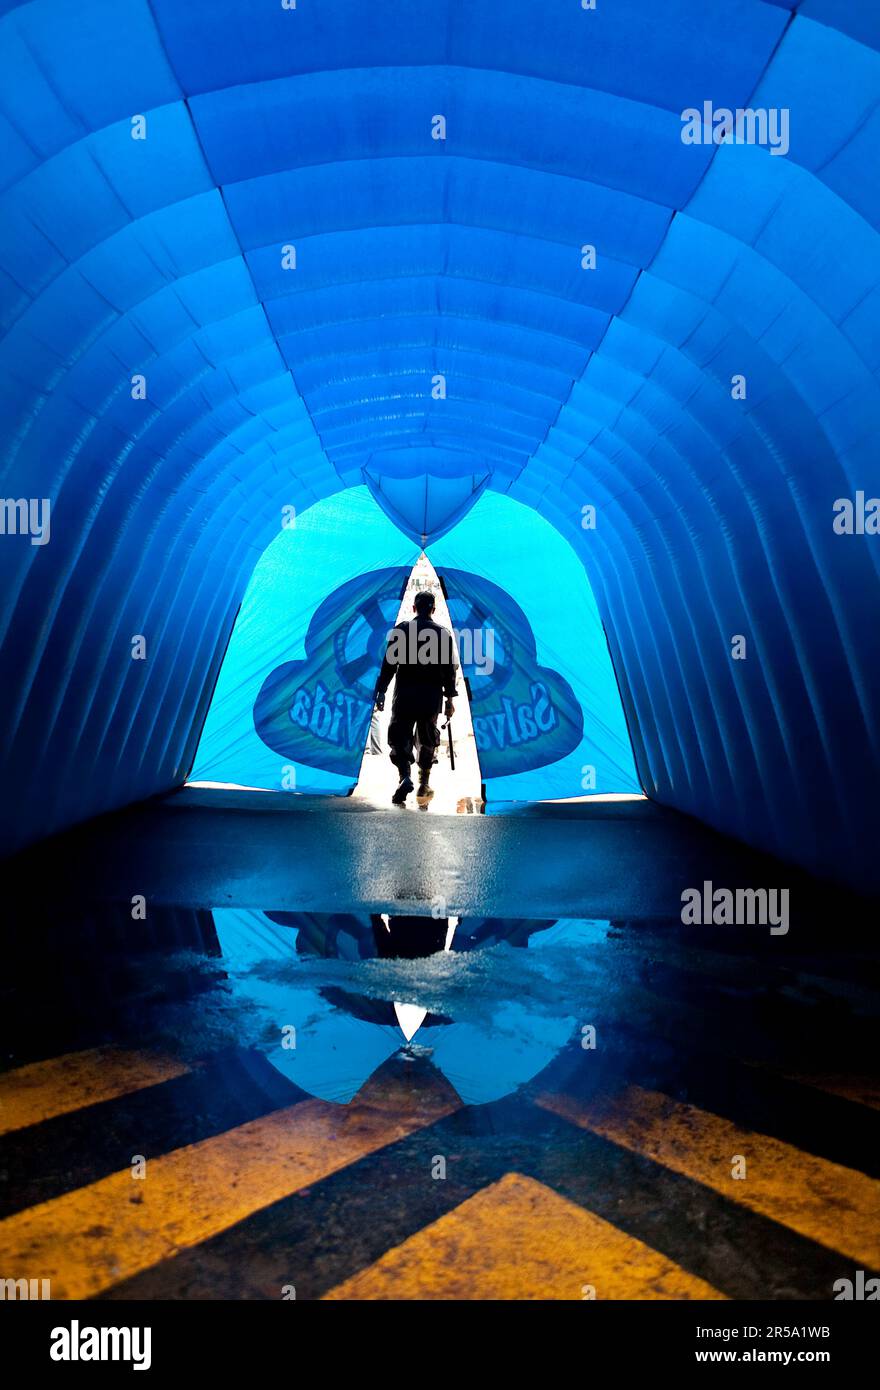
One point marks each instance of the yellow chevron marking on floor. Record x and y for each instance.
(90, 1239)
(42, 1090)
(519, 1240)
(823, 1201)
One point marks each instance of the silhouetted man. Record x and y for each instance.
(423, 657)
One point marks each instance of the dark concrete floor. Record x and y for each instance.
(597, 1097)
(717, 1139)
(205, 847)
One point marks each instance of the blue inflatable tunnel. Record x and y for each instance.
(597, 284)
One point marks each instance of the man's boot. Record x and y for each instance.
(425, 791)
(405, 786)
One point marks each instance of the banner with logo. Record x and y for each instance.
(295, 694)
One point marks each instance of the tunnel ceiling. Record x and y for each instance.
(291, 284)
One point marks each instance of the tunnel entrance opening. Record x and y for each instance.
(539, 715)
(456, 779)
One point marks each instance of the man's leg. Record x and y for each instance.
(400, 743)
(428, 737)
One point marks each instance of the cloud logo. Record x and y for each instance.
(316, 711)
(525, 715)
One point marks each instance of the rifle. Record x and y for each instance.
(451, 749)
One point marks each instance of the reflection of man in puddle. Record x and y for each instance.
(422, 655)
(409, 938)
(484, 1047)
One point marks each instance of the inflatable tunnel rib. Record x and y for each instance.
(252, 256)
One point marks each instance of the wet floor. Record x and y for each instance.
(241, 1103)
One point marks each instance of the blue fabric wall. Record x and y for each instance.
(416, 258)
